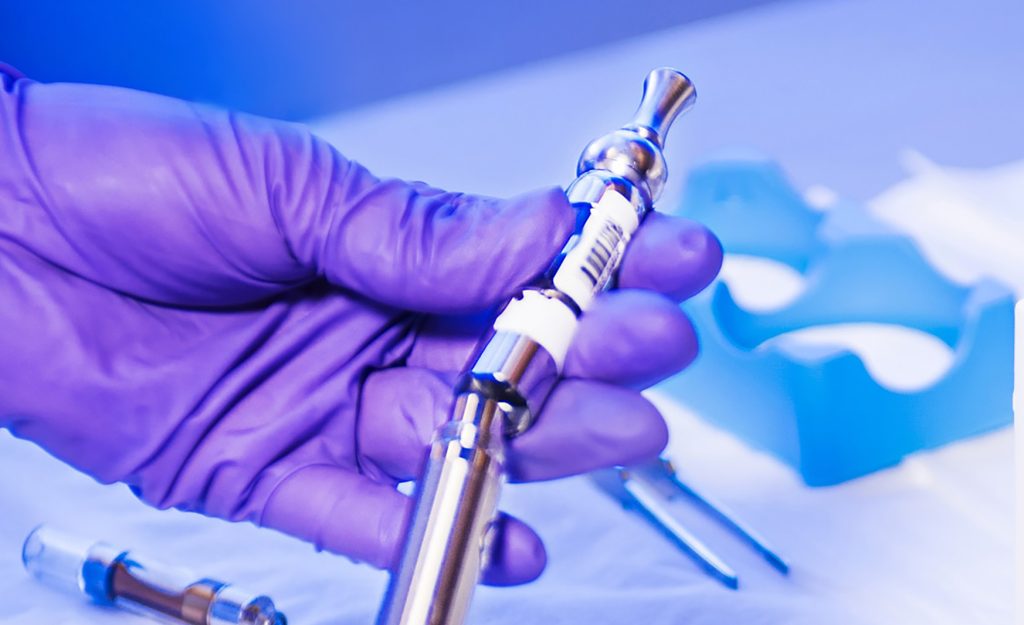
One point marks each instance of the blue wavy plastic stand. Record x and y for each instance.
(819, 409)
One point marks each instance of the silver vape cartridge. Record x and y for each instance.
(620, 175)
(113, 576)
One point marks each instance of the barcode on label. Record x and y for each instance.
(602, 251)
(588, 267)
(589, 261)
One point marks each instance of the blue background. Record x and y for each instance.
(299, 59)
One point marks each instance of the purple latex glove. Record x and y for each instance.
(226, 314)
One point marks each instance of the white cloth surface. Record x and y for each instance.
(970, 223)
(929, 541)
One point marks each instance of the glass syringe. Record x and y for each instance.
(113, 576)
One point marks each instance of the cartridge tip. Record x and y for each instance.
(635, 151)
(667, 93)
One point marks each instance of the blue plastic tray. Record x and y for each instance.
(819, 409)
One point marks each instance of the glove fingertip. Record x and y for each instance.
(523, 236)
(340, 511)
(517, 554)
(673, 256)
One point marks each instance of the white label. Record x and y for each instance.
(618, 209)
(547, 321)
(589, 265)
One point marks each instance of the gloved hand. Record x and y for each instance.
(226, 314)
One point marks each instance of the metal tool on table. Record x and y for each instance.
(649, 487)
(619, 177)
(113, 576)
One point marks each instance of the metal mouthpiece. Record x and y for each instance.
(634, 152)
(667, 93)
